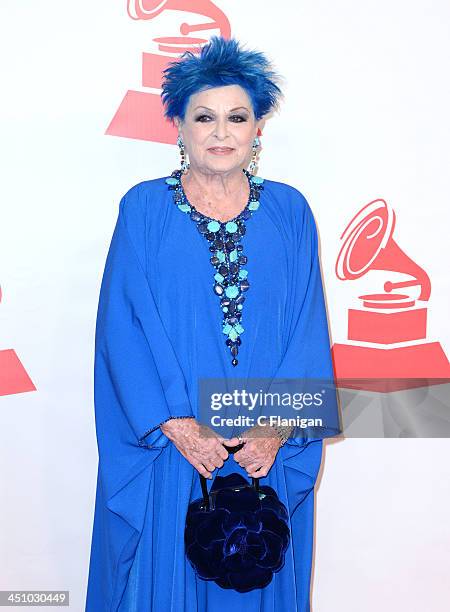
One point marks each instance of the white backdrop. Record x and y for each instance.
(365, 117)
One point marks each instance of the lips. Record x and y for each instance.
(220, 149)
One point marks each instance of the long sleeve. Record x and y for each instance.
(308, 355)
(139, 383)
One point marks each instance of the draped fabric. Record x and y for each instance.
(158, 331)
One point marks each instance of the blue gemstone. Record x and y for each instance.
(253, 205)
(233, 334)
(184, 207)
(257, 179)
(231, 291)
(172, 180)
(231, 227)
(213, 226)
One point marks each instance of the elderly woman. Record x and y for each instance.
(212, 272)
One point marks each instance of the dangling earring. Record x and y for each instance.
(184, 164)
(254, 161)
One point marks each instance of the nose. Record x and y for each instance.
(221, 131)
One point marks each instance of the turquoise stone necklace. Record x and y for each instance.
(230, 278)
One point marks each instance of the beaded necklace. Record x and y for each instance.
(230, 279)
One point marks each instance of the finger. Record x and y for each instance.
(238, 457)
(254, 465)
(259, 473)
(233, 441)
(218, 461)
(254, 461)
(209, 465)
(204, 472)
(222, 451)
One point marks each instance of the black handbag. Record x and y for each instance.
(237, 534)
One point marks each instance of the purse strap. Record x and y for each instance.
(231, 450)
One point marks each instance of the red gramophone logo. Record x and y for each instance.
(140, 114)
(387, 348)
(13, 377)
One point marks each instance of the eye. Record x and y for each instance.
(203, 118)
(237, 118)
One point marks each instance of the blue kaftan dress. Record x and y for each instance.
(159, 328)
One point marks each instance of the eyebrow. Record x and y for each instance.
(233, 109)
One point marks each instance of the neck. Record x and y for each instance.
(216, 185)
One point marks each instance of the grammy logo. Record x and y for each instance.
(13, 377)
(140, 114)
(387, 348)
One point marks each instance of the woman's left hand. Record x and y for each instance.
(259, 451)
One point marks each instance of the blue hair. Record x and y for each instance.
(220, 62)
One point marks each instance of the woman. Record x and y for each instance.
(211, 272)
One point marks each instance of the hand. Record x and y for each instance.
(198, 443)
(259, 451)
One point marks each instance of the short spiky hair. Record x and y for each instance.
(220, 62)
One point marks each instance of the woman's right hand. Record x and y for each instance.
(201, 445)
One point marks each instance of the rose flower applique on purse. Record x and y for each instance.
(237, 534)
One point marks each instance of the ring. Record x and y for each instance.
(240, 439)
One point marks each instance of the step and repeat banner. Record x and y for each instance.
(363, 133)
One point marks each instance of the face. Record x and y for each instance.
(218, 129)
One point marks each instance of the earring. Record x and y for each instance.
(254, 161)
(184, 164)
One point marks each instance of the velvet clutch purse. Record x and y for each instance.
(237, 534)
